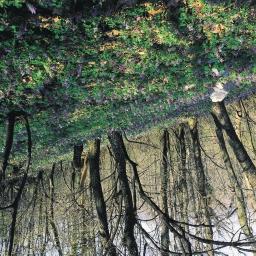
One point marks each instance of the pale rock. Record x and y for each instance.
(219, 93)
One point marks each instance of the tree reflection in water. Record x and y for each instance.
(183, 190)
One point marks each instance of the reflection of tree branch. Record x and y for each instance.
(44, 190)
(171, 221)
(139, 142)
(210, 158)
(64, 178)
(97, 193)
(145, 249)
(216, 242)
(46, 233)
(75, 202)
(17, 179)
(148, 219)
(116, 141)
(35, 192)
(52, 222)
(116, 227)
(11, 119)
(249, 127)
(6, 207)
(166, 218)
(244, 249)
(113, 193)
(154, 242)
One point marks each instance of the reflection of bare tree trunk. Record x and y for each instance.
(77, 162)
(164, 172)
(191, 184)
(46, 232)
(238, 120)
(84, 171)
(202, 183)
(177, 198)
(8, 143)
(172, 224)
(182, 174)
(117, 145)
(45, 236)
(77, 155)
(241, 206)
(16, 202)
(94, 157)
(11, 118)
(31, 223)
(219, 112)
(84, 233)
(14, 214)
(249, 128)
(73, 227)
(52, 222)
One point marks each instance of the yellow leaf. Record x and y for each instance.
(155, 12)
(102, 63)
(217, 29)
(27, 79)
(56, 19)
(45, 25)
(198, 5)
(91, 63)
(211, 29)
(147, 4)
(113, 33)
(107, 46)
(141, 52)
(165, 80)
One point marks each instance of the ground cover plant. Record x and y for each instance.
(79, 70)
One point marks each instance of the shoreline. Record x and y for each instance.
(197, 107)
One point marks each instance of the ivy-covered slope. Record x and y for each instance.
(80, 75)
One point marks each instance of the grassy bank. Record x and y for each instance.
(130, 70)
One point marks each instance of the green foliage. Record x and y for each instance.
(51, 4)
(120, 70)
(8, 3)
